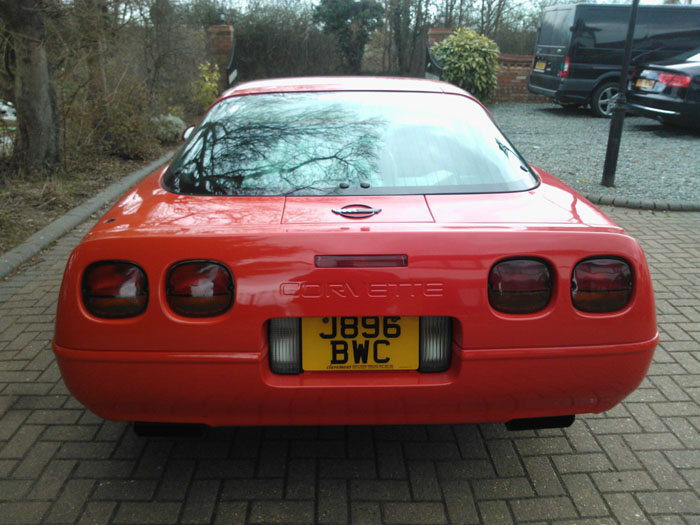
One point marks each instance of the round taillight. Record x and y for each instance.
(601, 285)
(520, 286)
(115, 289)
(199, 289)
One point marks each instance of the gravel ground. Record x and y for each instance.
(656, 162)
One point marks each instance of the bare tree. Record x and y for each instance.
(92, 18)
(454, 13)
(37, 147)
(408, 24)
(491, 15)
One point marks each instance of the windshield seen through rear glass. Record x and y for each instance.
(347, 143)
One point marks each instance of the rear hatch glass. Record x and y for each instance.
(347, 143)
(553, 40)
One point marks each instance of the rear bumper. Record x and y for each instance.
(663, 108)
(651, 112)
(239, 389)
(570, 91)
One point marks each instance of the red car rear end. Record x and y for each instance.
(367, 304)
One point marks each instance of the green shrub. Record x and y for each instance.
(205, 88)
(469, 61)
(168, 128)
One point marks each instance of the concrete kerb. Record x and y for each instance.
(11, 260)
(638, 204)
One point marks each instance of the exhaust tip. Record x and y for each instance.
(169, 430)
(537, 423)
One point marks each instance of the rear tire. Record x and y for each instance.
(601, 103)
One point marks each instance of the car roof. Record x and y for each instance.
(310, 84)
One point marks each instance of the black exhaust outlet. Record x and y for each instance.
(537, 423)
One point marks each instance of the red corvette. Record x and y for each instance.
(353, 251)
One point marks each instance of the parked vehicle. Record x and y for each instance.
(668, 90)
(353, 251)
(580, 48)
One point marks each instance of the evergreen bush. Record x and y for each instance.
(168, 128)
(470, 61)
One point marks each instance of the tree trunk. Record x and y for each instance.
(37, 147)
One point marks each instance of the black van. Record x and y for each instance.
(579, 50)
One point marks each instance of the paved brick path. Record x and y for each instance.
(638, 463)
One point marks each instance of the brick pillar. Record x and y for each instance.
(219, 44)
(438, 34)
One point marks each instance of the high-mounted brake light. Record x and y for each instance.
(199, 289)
(520, 286)
(361, 261)
(671, 80)
(564, 68)
(601, 285)
(115, 289)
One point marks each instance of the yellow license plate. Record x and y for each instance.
(539, 66)
(645, 83)
(359, 343)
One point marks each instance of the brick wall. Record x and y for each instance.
(512, 79)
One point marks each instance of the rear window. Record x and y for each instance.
(347, 143)
(603, 28)
(555, 29)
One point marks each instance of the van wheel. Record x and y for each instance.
(601, 104)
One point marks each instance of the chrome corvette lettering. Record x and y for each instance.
(398, 290)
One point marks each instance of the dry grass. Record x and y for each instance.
(27, 206)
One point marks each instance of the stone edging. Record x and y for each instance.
(643, 204)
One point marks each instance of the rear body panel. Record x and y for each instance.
(159, 366)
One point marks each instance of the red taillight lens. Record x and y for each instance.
(601, 285)
(199, 289)
(671, 80)
(564, 69)
(520, 286)
(115, 289)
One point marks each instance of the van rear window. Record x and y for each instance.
(556, 26)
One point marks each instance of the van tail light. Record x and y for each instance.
(199, 289)
(601, 285)
(520, 286)
(115, 289)
(564, 69)
(435, 344)
(671, 80)
(284, 336)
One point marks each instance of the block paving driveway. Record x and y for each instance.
(638, 463)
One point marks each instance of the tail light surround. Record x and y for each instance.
(115, 289)
(520, 286)
(601, 285)
(199, 289)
